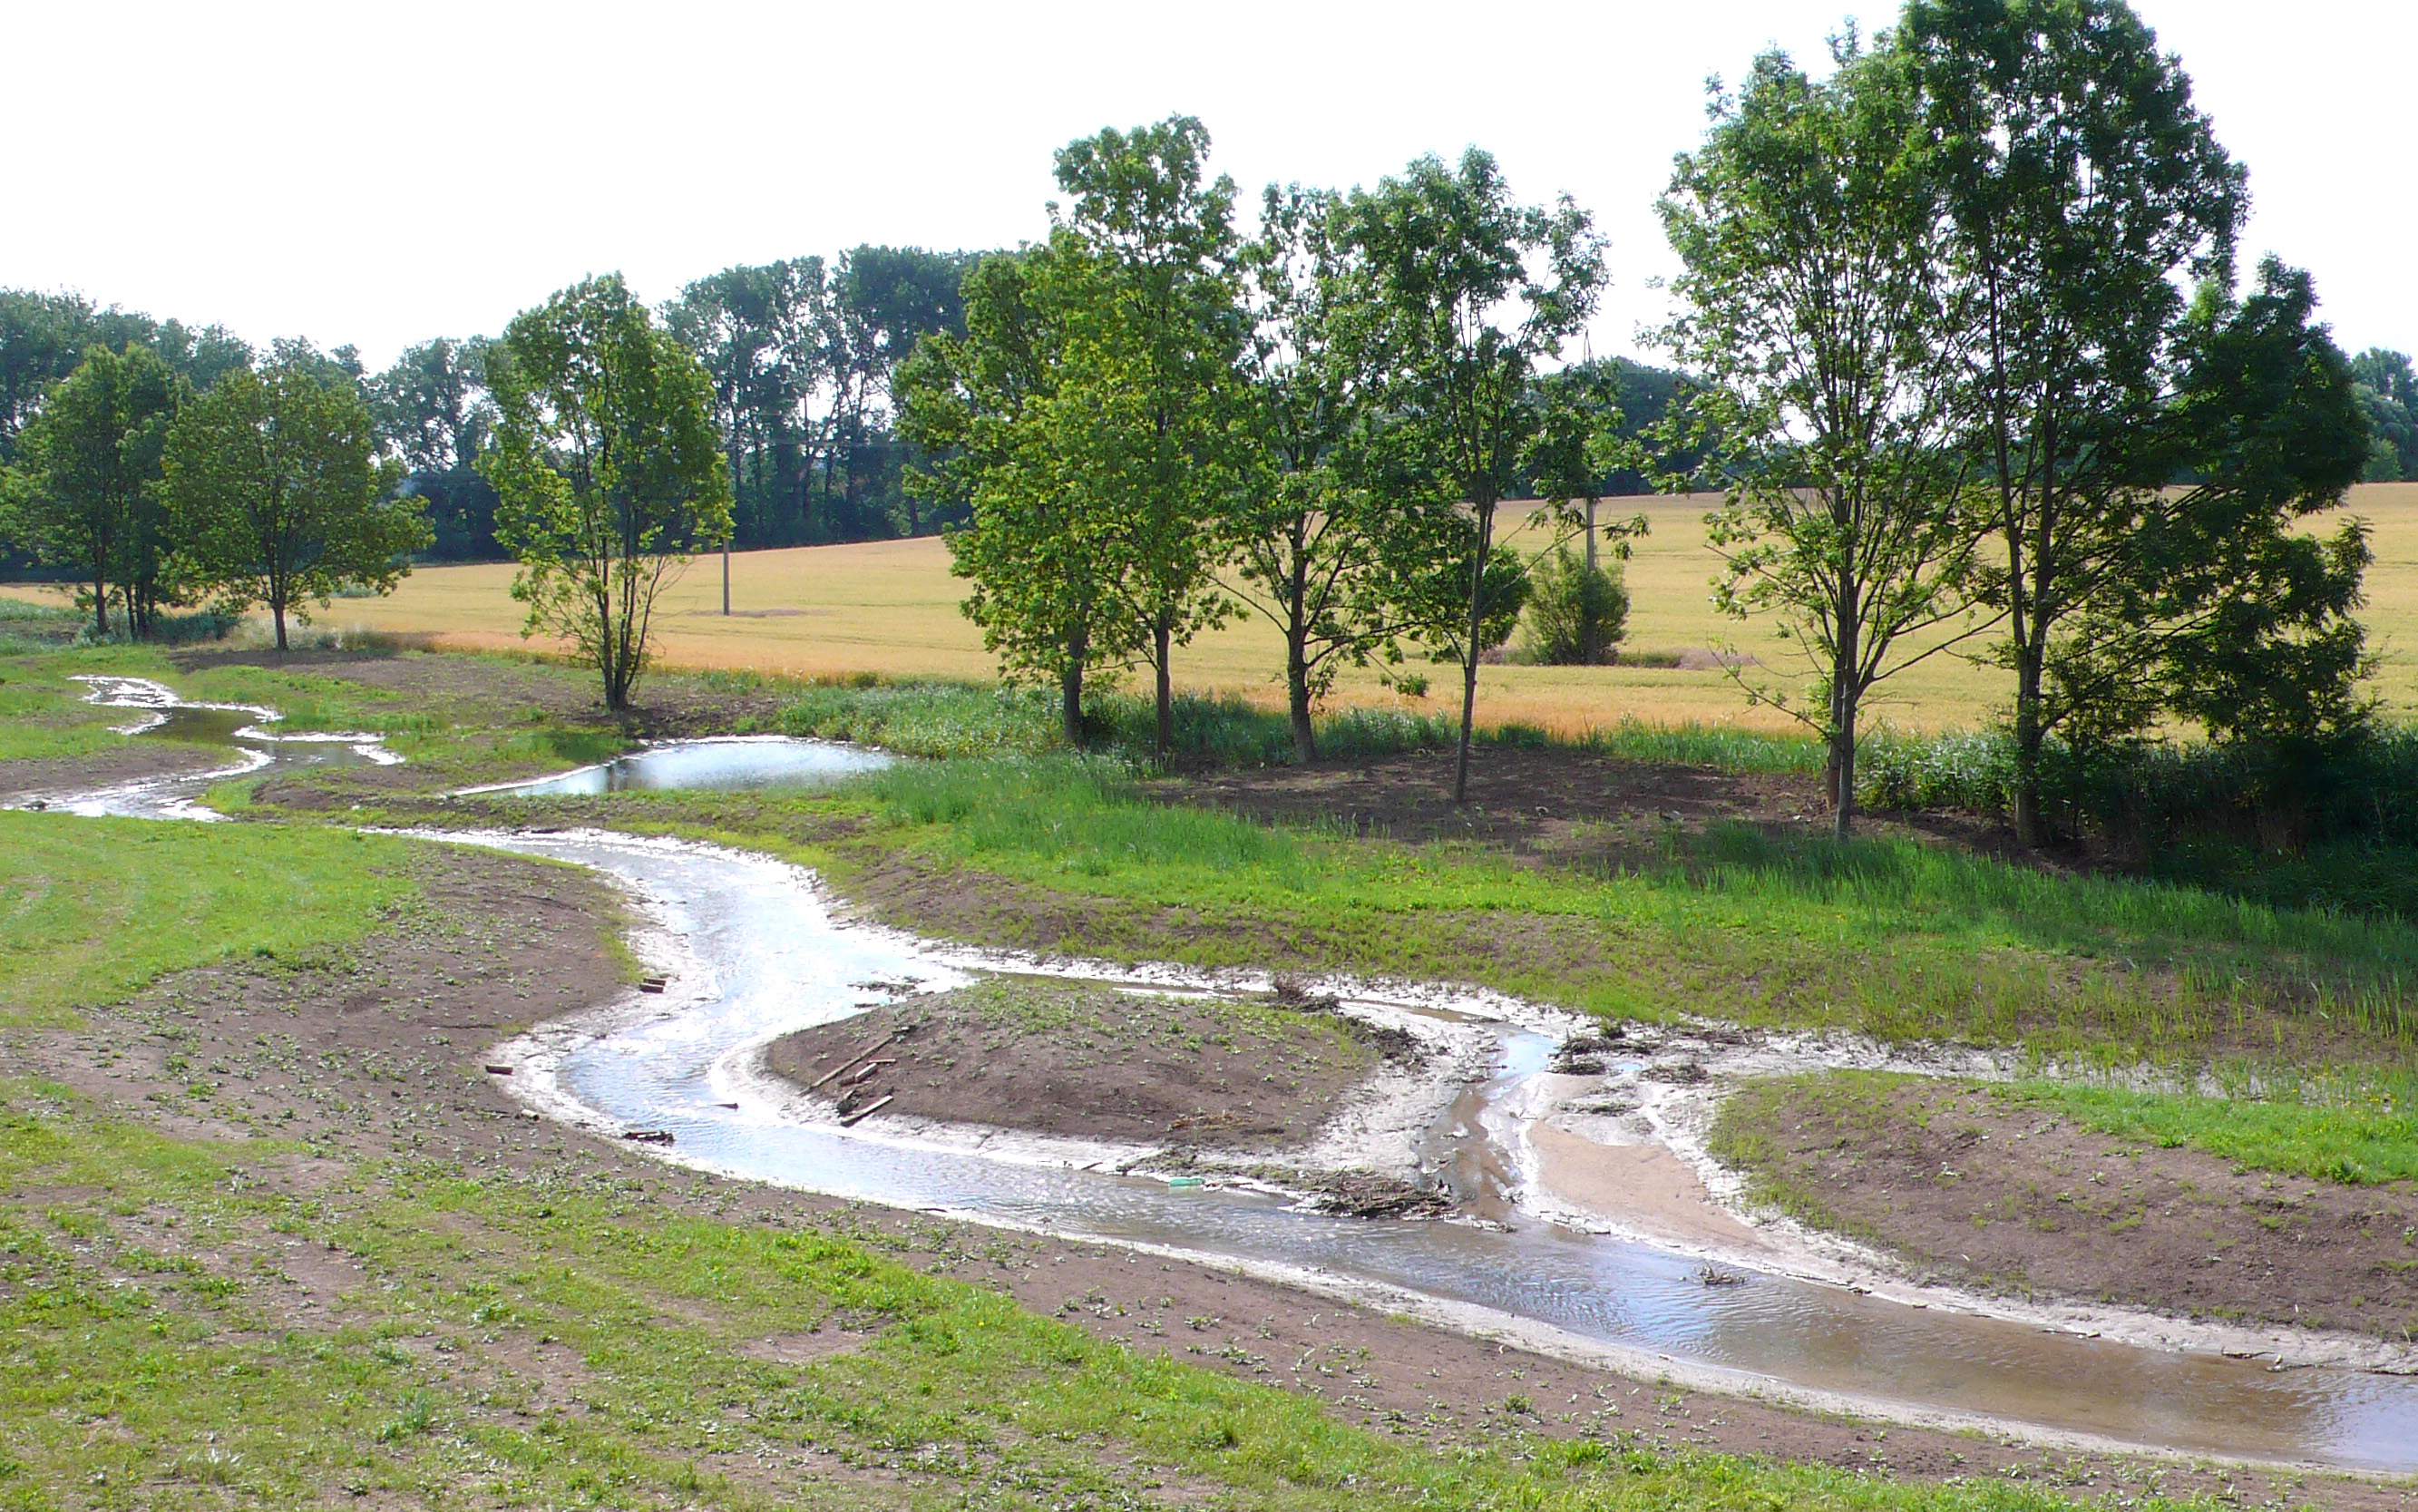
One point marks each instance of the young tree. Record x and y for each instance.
(1829, 345)
(88, 478)
(607, 467)
(2083, 191)
(986, 407)
(1308, 531)
(1577, 611)
(1460, 293)
(277, 495)
(1149, 404)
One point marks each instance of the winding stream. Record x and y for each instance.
(752, 952)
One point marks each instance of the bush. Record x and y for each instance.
(1576, 614)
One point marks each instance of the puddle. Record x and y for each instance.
(733, 764)
(752, 952)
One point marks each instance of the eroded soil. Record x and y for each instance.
(1986, 1191)
(1088, 1062)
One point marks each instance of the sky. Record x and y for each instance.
(379, 174)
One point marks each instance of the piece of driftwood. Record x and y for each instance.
(816, 1084)
(499, 1071)
(865, 1112)
(649, 1135)
(870, 1068)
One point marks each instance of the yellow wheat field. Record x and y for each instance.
(891, 607)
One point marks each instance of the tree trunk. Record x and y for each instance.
(1470, 651)
(1070, 692)
(277, 613)
(1164, 738)
(1843, 768)
(1305, 733)
(99, 607)
(2029, 737)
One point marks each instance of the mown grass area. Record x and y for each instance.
(147, 1367)
(42, 710)
(93, 910)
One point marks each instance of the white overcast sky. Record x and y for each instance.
(379, 173)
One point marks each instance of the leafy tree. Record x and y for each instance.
(2084, 189)
(608, 470)
(276, 494)
(43, 338)
(1308, 531)
(2388, 393)
(86, 483)
(432, 411)
(1577, 611)
(1459, 294)
(986, 409)
(2226, 611)
(1147, 405)
(1827, 342)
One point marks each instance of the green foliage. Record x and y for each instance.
(276, 494)
(607, 468)
(86, 493)
(1578, 614)
(2363, 1144)
(1832, 353)
(1459, 292)
(2388, 397)
(1086, 418)
(92, 911)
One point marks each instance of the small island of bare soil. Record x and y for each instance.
(1086, 1060)
(1983, 1188)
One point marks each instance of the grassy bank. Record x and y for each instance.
(92, 910)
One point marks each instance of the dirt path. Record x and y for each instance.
(1996, 1194)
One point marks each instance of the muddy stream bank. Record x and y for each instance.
(748, 950)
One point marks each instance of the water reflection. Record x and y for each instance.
(734, 763)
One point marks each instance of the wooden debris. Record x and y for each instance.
(865, 1112)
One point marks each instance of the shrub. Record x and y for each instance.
(1576, 614)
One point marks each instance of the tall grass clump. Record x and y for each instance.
(927, 719)
(1081, 810)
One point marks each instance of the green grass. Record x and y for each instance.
(145, 1371)
(43, 714)
(92, 911)
(2361, 1144)
(1891, 938)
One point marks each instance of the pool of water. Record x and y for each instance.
(734, 763)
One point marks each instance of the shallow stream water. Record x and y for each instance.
(757, 953)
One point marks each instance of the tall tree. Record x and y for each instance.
(2085, 191)
(2388, 392)
(1828, 340)
(608, 468)
(88, 478)
(986, 409)
(1149, 398)
(1460, 294)
(1308, 531)
(276, 495)
(432, 411)
(2226, 610)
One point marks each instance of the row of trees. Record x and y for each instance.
(1977, 380)
(263, 488)
(1966, 358)
(1154, 423)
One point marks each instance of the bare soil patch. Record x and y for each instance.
(1086, 1061)
(1994, 1194)
(44, 778)
(1549, 804)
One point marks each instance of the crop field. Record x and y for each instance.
(891, 607)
